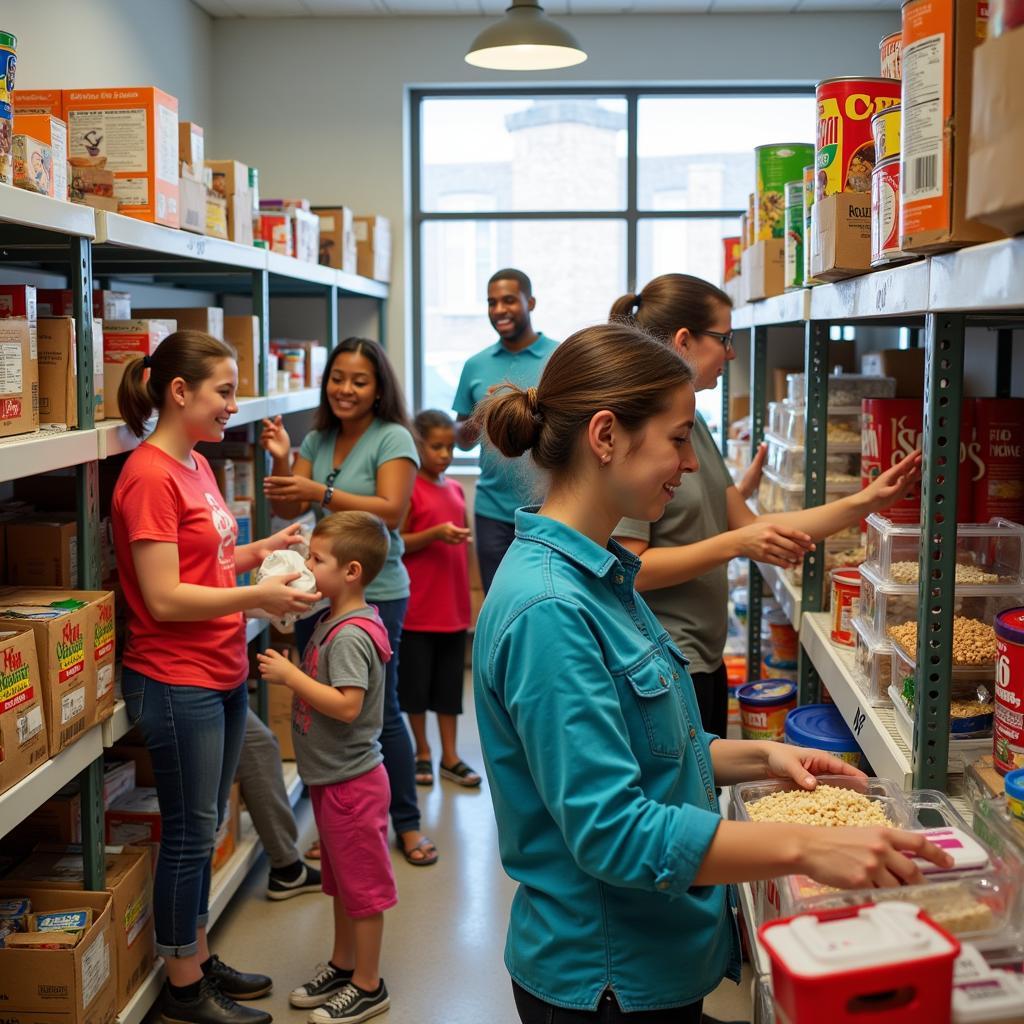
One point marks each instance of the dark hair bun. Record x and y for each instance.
(511, 422)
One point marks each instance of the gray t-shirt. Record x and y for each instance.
(326, 749)
(694, 613)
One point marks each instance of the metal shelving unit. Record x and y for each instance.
(42, 234)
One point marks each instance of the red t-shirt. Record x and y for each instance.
(439, 573)
(157, 498)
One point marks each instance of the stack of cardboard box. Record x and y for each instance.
(19, 361)
(289, 227)
(195, 179)
(231, 190)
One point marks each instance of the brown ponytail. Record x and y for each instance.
(612, 366)
(670, 302)
(190, 355)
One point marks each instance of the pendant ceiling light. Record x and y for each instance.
(525, 40)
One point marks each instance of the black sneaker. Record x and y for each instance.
(307, 880)
(211, 1006)
(236, 984)
(327, 980)
(352, 1005)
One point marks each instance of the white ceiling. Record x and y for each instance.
(343, 8)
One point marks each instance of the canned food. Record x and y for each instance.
(764, 706)
(885, 131)
(845, 604)
(846, 150)
(1004, 15)
(793, 246)
(808, 183)
(751, 219)
(774, 667)
(890, 50)
(1014, 786)
(8, 65)
(1008, 726)
(732, 249)
(997, 455)
(821, 727)
(885, 212)
(776, 165)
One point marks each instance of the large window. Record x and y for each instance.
(590, 192)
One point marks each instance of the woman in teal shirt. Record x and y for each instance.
(361, 456)
(602, 778)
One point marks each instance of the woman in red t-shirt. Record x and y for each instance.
(432, 663)
(185, 661)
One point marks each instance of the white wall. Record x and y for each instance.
(67, 44)
(319, 104)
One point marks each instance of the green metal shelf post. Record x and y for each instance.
(943, 394)
(261, 508)
(331, 338)
(758, 411)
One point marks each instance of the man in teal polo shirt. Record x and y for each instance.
(517, 356)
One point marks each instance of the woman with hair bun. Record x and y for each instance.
(185, 662)
(602, 779)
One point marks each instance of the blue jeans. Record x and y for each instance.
(395, 742)
(194, 736)
(493, 538)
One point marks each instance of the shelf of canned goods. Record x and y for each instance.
(44, 236)
(939, 298)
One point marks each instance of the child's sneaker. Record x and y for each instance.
(352, 1005)
(327, 981)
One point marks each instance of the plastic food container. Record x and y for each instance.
(993, 549)
(963, 748)
(778, 495)
(764, 706)
(872, 659)
(737, 452)
(845, 601)
(788, 422)
(821, 726)
(963, 686)
(775, 667)
(787, 459)
(1014, 783)
(844, 389)
(838, 553)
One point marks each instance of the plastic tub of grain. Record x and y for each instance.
(821, 727)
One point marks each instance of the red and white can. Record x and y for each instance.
(890, 49)
(845, 603)
(998, 461)
(885, 213)
(1008, 726)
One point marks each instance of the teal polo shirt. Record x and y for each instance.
(504, 484)
(601, 780)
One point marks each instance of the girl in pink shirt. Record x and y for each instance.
(432, 657)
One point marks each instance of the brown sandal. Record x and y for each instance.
(425, 859)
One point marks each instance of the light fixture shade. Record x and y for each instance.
(525, 40)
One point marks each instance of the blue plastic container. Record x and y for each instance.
(821, 726)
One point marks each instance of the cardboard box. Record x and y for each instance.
(242, 333)
(105, 203)
(19, 377)
(373, 247)
(19, 302)
(230, 830)
(279, 718)
(242, 510)
(192, 205)
(126, 340)
(239, 211)
(939, 39)
(230, 177)
(739, 407)
(38, 101)
(58, 371)
(32, 162)
(191, 150)
(129, 882)
(209, 319)
(23, 737)
(134, 818)
(224, 473)
(42, 553)
(276, 229)
(216, 215)
(315, 361)
(337, 238)
(994, 197)
(52, 132)
(105, 305)
(905, 365)
(764, 266)
(307, 236)
(61, 986)
(90, 181)
(130, 749)
(841, 236)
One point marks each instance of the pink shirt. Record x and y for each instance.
(439, 573)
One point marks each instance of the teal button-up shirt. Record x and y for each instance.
(601, 778)
(504, 484)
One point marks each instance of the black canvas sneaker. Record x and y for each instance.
(307, 880)
(327, 981)
(352, 1005)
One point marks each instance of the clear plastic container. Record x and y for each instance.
(965, 718)
(737, 452)
(962, 749)
(872, 660)
(844, 389)
(773, 419)
(764, 1002)
(778, 495)
(987, 554)
(844, 423)
(840, 552)
(788, 460)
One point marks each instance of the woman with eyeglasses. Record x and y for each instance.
(685, 553)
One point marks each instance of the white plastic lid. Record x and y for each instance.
(967, 853)
(887, 933)
(999, 996)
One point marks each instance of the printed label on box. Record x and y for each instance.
(924, 78)
(95, 969)
(72, 705)
(119, 135)
(15, 680)
(166, 144)
(104, 680)
(11, 379)
(71, 651)
(136, 914)
(30, 724)
(132, 191)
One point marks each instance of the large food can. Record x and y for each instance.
(890, 49)
(8, 65)
(885, 212)
(845, 604)
(732, 249)
(793, 246)
(808, 183)
(776, 165)
(751, 219)
(997, 459)
(764, 706)
(1008, 723)
(846, 151)
(885, 131)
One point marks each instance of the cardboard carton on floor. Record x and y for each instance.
(58, 371)
(841, 236)
(242, 333)
(129, 882)
(106, 305)
(994, 196)
(69, 986)
(337, 238)
(52, 132)
(136, 129)
(42, 552)
(764, 266)
(127, 340)
(208, 319)
(23, 736)
(373, 247)
(19, 377)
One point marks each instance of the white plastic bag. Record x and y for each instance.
(284, 563)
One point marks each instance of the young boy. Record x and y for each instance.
(337, 714)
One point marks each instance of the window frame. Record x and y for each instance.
(631, 214)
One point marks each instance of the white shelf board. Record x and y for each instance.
(356, 285)
(760, 960)
(250, 410)
(873, 728)
(786, 593)
(145, 996)
(300, 270)
(253, 628)
(115, 438)
(293, 401)
(45, 450)
(117, 725)
(18, 802)
(18, 206)
(980, 278)
(899, 290)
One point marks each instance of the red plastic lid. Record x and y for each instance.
(1010, 625)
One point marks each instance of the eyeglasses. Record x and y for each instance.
(725, 339)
